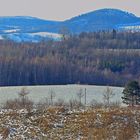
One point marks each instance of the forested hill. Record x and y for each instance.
(31, 29)
(101, 58)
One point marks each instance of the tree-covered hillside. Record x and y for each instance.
(102, 58)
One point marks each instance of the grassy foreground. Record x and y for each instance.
(60, 123)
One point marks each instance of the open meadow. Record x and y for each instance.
(65, 92)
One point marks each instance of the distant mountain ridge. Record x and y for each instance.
(30, 29)
(104, 19)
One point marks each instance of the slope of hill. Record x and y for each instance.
(104, 19)
(24, 28)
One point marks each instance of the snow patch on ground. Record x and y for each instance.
(47, 34)
(135, 27)
(1, 38)
(11, 31)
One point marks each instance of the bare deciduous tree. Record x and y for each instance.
(23, 95)
(108, 94)
(80, 95)
(51, 96)
(23, 102)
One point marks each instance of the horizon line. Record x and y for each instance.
(30, 16)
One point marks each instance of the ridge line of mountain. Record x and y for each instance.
(26, 28)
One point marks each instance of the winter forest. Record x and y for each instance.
(98, 58)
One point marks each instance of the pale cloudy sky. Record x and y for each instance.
(63, 9)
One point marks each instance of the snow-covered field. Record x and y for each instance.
(66, 92)
(12, 31)
(61, 122)
(46, 34)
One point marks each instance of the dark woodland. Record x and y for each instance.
(99, 58)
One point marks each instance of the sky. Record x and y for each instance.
(63, 9)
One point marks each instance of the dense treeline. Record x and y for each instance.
(103, 58)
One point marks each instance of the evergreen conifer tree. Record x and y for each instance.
(131, 93)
